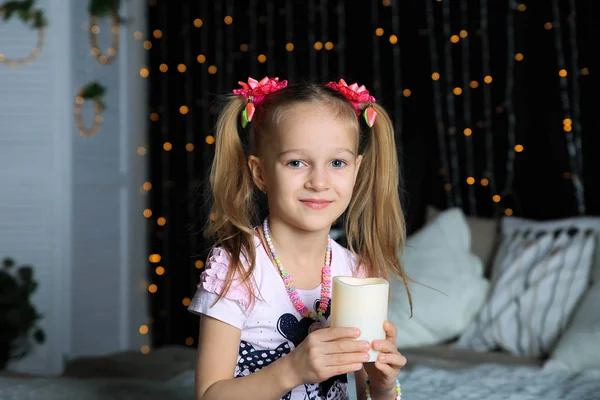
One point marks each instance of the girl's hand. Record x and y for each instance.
(385, 370)
(325, 353)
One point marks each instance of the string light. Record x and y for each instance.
(161, 221)
(143, 329)
(463, 34)
(484, 182)
(147, 186)
(261, 58)
(183, 110)
(94, 31)
(467, 131)
(393, 39)
(406, 92)
(147, 45)
(144, 72)
(212, 70)
(145, 349)
(186, 301)
(519, 57)
(318, 46)
(496, 198)
(454, 38)
(585, 71)
(167, 146)
(154, 258)
(189, 147)
(289, 46)
(189, 341)
(228, 20)
(243, 47)
(508, 212)
(470, 180)
(152, 288)
(548, 26)
(201, 58)
(147, 213)
(435, 76)
(386, 3)
(379, 31)
(519, 148)
(487, 79)
(181, 68)
(77, 111)
(210, 139)
(157, 33)
(474, 84)
(198, 22)
(522, 7)
(33, 54)
(137, 35)
(457, 91)
(199, 264)
(160, 270)
(329, 46)
(562, 73)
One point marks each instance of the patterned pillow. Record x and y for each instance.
(540, 274)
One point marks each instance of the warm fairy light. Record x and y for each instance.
(457, 91)
(289, 46)
(154, 258)
(393, 39)
(144, 72)
(386, 3)
(144, 329)
(487, 79)
(186, 301)
(585, 71)
(199, 264)
(161, 221)
(522, 7)
(454, 38)
(147, 186)
(379, 31)
(189, 341)
(167, 146)
(508, 212)
(243, 47)
(145, 349)
(261, 58)
(474, 84)
(201, 58)
(496, 198)
(95, 29)
(318, 46)
(154, 117)
(447, 187)
(228, 20)
(181, 68)
(519, 57)
(183, 110)
(567, 128)
(163, 67)
(147, 45)
(159, 270)
(463, 34)
(212, 70)
(189, 147)
(152, 288)
(406, 92)
(147, 213)
(210, 139)
(198, 22)
(212, 217)
(470, 180)
(157, 33)
(468, 132)
(567, 121)
(519, 148)
(435, 76)
(548, 26)
(329, 46)
(562, 73)
(484, 182)
(137, 35)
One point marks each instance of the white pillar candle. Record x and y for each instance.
(361, 303)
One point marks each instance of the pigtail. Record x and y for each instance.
(375, 224)
(233, 196)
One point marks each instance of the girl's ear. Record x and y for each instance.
(257, 172)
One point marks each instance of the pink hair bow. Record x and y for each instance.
(356, 95)
(255, 91)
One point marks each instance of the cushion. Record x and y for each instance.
(450, 286)
(541, 271)
(484, 235)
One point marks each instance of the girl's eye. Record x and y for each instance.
(295, 164)
(338, 163)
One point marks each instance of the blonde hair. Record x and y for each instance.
(375, 224)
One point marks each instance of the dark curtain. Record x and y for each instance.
(519, 145)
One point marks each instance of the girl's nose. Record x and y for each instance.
(317, 180)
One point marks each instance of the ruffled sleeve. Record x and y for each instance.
(235, 306)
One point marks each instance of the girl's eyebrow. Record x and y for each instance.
(303, 151)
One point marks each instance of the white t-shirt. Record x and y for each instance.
(271, 327)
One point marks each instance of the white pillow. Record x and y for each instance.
(438, 256)
(541, 273)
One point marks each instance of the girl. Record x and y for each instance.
(265, 293)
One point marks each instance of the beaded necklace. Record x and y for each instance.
(289, 283)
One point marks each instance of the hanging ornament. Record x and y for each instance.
(28, 15)
(94, 92)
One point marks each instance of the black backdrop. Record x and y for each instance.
(527, 136)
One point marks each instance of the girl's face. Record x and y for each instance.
(309, 168)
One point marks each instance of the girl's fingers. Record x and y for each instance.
(387, 370)
(396, 360)
(385, 346)
(390, 331)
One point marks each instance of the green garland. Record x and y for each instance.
(95, 92)
(106, 8)
(26, 11)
